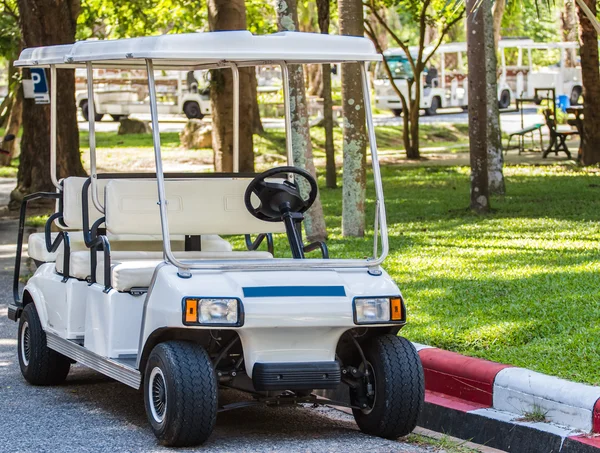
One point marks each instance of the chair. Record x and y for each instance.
(557, 137)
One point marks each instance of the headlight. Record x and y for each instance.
(374, 310)
(212, 311)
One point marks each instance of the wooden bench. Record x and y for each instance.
(521, 134)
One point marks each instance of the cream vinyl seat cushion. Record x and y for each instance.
(122, 242)
(135, 269)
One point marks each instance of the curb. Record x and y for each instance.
(489, 403)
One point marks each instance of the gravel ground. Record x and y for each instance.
(92, 413)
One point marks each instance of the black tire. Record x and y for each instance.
(84, 112)
(504, 101)
(189, 405)
(432, 109)
(39, 364)
(118, 118)
(192, 110)
(397, 112)
(575, 95)
(399, 388)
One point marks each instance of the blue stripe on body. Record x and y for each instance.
(294, 291)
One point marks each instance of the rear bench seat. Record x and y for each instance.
(72, 216)
(207, 206)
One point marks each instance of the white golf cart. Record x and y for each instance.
(139, 285)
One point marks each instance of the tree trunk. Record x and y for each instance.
(494, 134)
(257, 126)
(230, 15)
(477, 106)
(590, 76)
(330, 172)
(44, 23)
(314, 223)
(355, 137)
(14, 124)
(498, 12)
(568, 22)
(13, 85)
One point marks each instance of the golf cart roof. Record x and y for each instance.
(204, 50)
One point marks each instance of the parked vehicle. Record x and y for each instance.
(443, 84)
(120, 97)
(536, 65)
(196, 316)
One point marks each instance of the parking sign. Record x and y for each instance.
(40, 86)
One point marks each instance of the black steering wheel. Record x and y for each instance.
(276, 197)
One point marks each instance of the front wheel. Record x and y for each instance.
(39, 364)
(180, 393)
(432, 109)
(395, 388)
(575, 95)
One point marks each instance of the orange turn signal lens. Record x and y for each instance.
(396, 306)
(191, 310)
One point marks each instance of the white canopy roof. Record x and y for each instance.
(204, 50)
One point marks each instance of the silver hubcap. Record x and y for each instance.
(25, 343)
(157, 393)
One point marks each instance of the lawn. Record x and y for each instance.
(135, 152)
(518, 286)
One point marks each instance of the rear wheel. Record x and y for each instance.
(192, 110)
(394, 388)
(118, 118)
(397, 112)
(575, 95)
(504, 101)
(432, 109)
(180, 393)
(84, 112)
(39, 364)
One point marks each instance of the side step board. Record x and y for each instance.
(108, 367)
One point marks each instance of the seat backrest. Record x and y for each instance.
(198, 206)
(72, 202)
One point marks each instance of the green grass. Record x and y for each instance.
(36, 220)
(452, 136)
(441, 445)
(112, 140)
(517, 286)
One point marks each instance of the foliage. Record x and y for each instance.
(10, 35)
(440, 14)
(128, 18)
(535, 19)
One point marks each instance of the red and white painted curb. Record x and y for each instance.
(509, 394)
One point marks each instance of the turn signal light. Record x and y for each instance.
(396, 312)
(191, 310)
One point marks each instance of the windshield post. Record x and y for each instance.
(160, 177)
(236, 117)
(53, 123)
(288, 113)
(375, 164)
(92, 136)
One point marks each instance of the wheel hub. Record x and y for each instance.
(157, 389)
(25, 343)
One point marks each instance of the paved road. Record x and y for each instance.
(511, 121)
(91, 413)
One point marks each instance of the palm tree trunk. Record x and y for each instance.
(314, 223)
(354, 177)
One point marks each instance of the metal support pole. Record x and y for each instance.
(53, 124)
(92, 136)
(236, 117)
(375, 162)
(160, 177)
(288, 113)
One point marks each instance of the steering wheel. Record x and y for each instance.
(275, 196)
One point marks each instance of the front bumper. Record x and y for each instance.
(296, 376)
